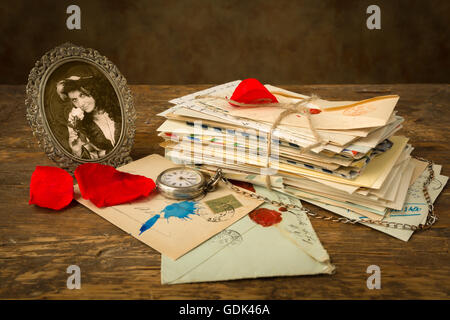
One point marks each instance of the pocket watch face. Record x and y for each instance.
(181, 178)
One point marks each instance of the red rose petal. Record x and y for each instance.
(51, 187)
(105, 186)
(251, 91)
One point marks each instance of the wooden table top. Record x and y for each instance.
(37, 245)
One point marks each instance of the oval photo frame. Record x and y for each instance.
(80, 108)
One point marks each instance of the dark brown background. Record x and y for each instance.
(205, 41)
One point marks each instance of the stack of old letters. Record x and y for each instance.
(343, 156)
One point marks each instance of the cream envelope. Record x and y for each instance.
(275, 181)
(339, 186)
(169, 226)
(380, 134)
(189, 101)
(249, 250)
(341, 115)
(310, 197)
(363, 114)
(400, 187)
(414, 211)
(175, 141)
(246, 152)
(373, 175)
(186, 114)
(181, 127)
(319, 189)
(392, 180)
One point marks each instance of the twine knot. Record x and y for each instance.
(289, 108)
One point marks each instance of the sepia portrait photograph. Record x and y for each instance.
(80, 108)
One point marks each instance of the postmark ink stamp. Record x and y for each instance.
(228, 236)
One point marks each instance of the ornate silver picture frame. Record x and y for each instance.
(80, 108)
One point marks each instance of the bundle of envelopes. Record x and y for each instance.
(360, 169)
(199, 243)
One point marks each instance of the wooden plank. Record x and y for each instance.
(37, 245)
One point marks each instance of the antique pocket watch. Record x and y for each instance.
(182, 183)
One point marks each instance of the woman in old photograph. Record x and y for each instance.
(94, 123)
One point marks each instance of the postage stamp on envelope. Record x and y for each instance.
(223, 203)
(222, 208)
(228, 236)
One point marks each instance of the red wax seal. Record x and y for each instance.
(265, 217)
(242, 184)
